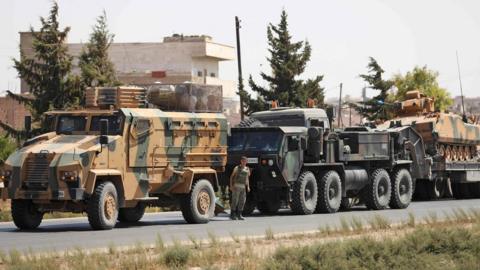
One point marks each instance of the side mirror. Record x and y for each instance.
(28, 125)
(103, 131)
(303, 143)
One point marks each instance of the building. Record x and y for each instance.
(12, 112)
(175, 60)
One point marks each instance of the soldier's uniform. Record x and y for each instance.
(239, 194)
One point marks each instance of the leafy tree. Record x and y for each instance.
(288, 60)
(376, 107)
(6, 148)
(95, 65)
(424, 80)
(48, 73)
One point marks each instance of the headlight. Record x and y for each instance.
(270, 162)
(5, 175)
(69, 175)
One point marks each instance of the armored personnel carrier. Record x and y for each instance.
(450, 145)
(114, 158)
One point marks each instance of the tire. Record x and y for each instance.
(347, 203)
(102, 207)
(329, 193)
(132, 214)
(249, 207)
(378, 191)
(198, 206)
(436, 189)
(305, 194)
(251, 122)
(25, 215)
(402, 189)
(269, 207)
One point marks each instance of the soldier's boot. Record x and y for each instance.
(239, 215)
(233, 214)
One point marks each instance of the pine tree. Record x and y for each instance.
(95, 65)
(376, 107)
(287, 60)
(48, 73)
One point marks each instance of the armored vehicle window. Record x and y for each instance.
(236, 142)
(293, 143)
(316, 123)
(69, 123)
(283, 120)
(142, 126)
(114, 123)
(263, 141)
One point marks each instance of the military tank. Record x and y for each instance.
(450, 141)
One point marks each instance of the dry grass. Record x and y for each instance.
(453, 243)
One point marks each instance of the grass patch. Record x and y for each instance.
(269, 235)
(177, 256)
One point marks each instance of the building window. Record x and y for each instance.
(212, 74)
(199, 74)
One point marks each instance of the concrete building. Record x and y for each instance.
(175, 60)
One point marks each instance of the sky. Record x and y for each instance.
(400, 34)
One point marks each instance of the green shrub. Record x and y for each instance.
(177, 256)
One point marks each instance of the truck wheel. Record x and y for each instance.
(198, 206)
(102, 207)
(347, 203)
(25, 214)
(436, 188)
(329, 193)
(402, 189)
(249, 207)
(132, 214)
(305, 194)
(378, 192)
(269, 207)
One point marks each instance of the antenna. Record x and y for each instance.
(464, 117)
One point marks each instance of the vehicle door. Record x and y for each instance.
(292, 159)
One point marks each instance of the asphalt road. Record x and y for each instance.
(68, 234)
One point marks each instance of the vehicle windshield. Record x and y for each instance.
(283, 120)
(70, 123)
(114, 123)
(255, 141)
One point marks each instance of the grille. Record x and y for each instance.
(36, 172)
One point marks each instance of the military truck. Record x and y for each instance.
(451, 164)
(116, 156)
(298, 161)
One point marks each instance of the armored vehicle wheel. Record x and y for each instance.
(132, 214)
(249, 207)
(377, 193)
(305, 194)
(402, 189)
(347, 203)
(329, 193)
(269, 207)
(102, 208)
(25, 214)
(198, 206)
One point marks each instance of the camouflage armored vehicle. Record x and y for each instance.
(297, 161)
(114, 158)
(450, 144)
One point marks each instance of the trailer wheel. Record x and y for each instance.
(131, 214)
(378, 192)
(102, 208)
(198, 206)
(269, 207)
(305, 194)
(329, 193)
(402, 189)
(25, 215)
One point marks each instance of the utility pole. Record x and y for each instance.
(340, 106)
(241, 91)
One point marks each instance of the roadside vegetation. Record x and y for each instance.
(448, 243)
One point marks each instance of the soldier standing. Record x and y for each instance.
(239, 186)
